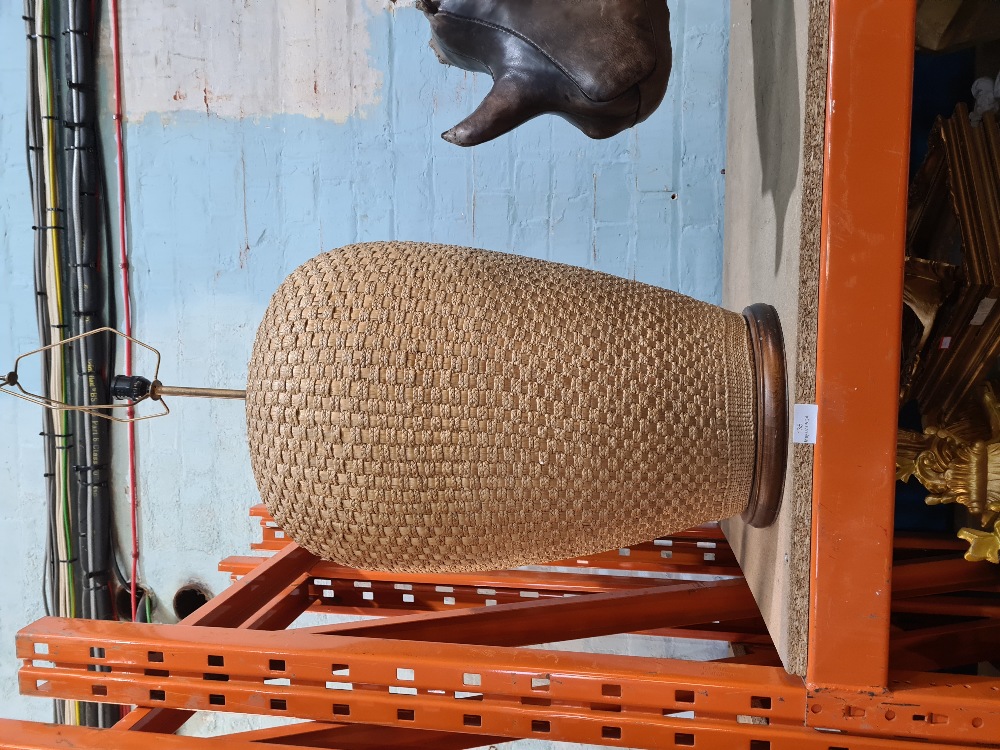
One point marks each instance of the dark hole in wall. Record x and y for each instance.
(189, 598)
(123, 603)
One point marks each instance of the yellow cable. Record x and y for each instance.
(51, 159)
(52, 217)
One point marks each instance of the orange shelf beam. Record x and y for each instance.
(857, 372)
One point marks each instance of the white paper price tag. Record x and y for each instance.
(804, 423)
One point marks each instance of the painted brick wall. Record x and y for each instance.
(262, 133)
(22, 499)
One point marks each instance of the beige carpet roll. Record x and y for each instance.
(416, 407)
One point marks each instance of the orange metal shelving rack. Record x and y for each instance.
(447, 665)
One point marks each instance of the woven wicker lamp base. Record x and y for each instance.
(415, 407)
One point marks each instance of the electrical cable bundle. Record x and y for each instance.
(42, 164)
(92, 362)
(74, 295)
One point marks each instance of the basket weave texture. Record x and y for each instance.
(426, 408)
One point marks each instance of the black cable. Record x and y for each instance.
(123, 580)
(111, 301)
(90, 288)
(91, 368)
(91, 365)
(140, 608)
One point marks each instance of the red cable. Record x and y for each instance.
(126, 298)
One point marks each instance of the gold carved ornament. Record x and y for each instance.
(957, 470)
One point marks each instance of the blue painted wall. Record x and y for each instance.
(22, 499)
(221, 209)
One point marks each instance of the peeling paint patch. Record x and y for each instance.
(250, 58)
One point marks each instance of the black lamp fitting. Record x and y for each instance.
(130, 387)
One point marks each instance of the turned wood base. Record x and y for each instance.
(772, 415)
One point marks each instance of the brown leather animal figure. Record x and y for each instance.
(601, 64)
